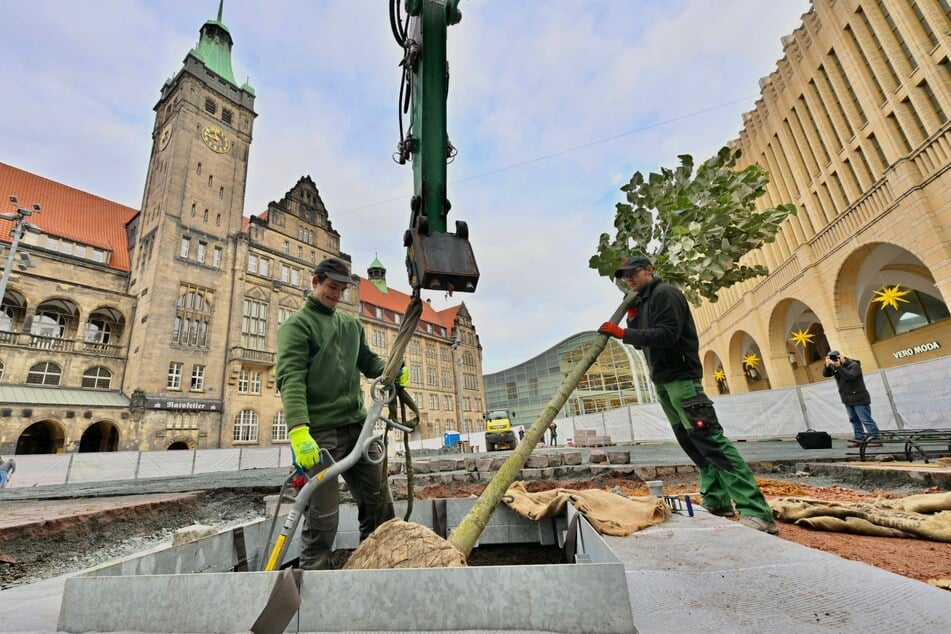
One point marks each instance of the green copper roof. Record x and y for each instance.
(214, 48)
(376, 264)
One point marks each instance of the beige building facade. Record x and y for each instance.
(157, 329)
(853, 126)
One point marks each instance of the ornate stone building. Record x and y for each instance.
(853, 128)
(157, 329)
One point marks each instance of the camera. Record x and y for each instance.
(833, 357)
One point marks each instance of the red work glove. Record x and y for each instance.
(607, 328)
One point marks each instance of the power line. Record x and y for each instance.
(561, 152)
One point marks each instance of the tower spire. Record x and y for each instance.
(221, 5)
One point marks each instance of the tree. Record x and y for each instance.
(694, 227)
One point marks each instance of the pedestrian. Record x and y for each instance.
(321, 354)
(854, 395)
(553, 433)
(521, 433)
(660, 324)
(7, 467)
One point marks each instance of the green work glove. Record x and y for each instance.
(306, 451)
(403, 379)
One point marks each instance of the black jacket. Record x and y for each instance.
(848, 377)
(661, 325)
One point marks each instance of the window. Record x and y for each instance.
(466, 403)
(216, 258)
(202, 249)
(185, 248)
(174, 381)
(249, 382)
(283, 312)
(254, 325)
(97, 378)
(48, 323)
(97, 331)
(210, 106)
(431, 377)
(413, 346)
(252, 263)
(193, 316)
(430, 351)
(246, 426)
(287, 247)
(1, 370)
(378, 312)
(226, 115)
(265, 268)
(446, 378)
(300, 253)
(433, 401)
(279, 427)
(285, 273)
(44, 374)
(198, 378)
(295, 277)
(444, 353)
(416, 374)
(920, 310)
(379, 338)
(447, 402)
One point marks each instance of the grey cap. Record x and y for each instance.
(336, 269)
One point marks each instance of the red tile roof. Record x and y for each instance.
(394, 300)
(68, 213)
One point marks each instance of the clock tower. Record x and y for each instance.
(184, 244)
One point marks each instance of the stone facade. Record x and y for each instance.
(853, 128)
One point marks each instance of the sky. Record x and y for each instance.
(552, 107)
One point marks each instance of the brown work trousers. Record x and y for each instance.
(364, 479)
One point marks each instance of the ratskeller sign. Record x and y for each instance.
(192, 404)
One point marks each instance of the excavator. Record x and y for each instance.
(435, 258)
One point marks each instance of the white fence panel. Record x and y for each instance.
(156, 464)
(262, 457)
(103, 467)
(756, 415)
(40, 470)
(214, 460)
(617, 422)
(922, 393)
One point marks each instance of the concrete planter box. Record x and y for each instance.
(190, 588)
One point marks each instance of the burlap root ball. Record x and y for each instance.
(399, 544)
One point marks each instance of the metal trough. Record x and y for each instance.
(192, 587)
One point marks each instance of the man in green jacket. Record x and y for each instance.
(321, 354)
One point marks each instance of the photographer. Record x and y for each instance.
(854, 395)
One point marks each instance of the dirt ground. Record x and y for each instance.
(913, 558)
(85, 542)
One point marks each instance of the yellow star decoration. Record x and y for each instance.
(801, 338)
(719, 375)
(751, 360)
(890, 296)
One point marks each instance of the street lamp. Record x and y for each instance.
(19, 227)
(456, 368)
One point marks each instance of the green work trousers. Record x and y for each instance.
(725, 479)
(366, 484)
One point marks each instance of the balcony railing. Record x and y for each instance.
(58, 344)
(252, 356)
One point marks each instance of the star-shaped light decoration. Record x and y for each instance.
(719, 375)
(890, 296)
(751, 360)
(801, 338)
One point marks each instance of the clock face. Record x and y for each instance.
(215, 139)
(164, 137)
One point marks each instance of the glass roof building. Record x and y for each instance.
(618, 377)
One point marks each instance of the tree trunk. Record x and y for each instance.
(467, 532)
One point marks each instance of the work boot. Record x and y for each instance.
(855, 443)
(724, 512)
(767, 526)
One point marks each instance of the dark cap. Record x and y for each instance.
(633, 262)
(834, 353)
(336, 269)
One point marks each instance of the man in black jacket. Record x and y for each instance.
(854, 395)
(660, 324)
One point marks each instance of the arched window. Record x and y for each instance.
(246, 426)
(97, 378)
(44, 374)
(919, 310)
(49, 324)
(279, 427)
